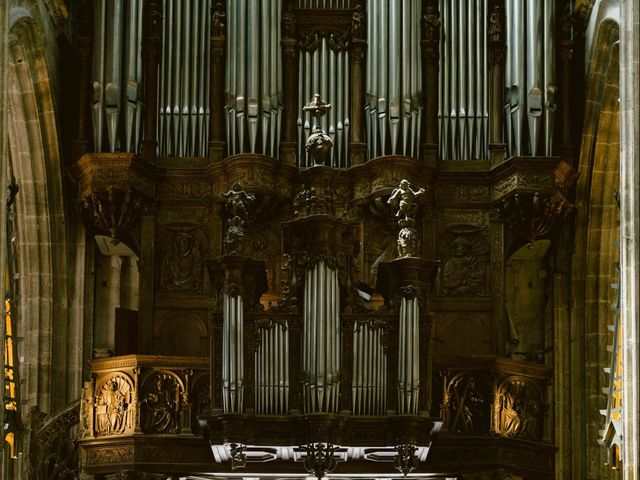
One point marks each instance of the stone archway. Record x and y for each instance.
(50, 304)
(595, 258)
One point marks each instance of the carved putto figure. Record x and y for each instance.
(404, 199)
(217, 21)
(181, 268)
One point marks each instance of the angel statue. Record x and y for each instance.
(403, 198)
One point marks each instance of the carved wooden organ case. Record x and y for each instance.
(338, 259)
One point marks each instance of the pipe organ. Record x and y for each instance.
(463, 90)
(346, 182)
(116, 104)
(369, 369)
(393, 80)
(183, 97)
(254, 77)
(530, 85)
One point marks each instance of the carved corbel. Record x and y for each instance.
(531, 216)
(113, 192)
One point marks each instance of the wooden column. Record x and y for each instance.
(217, 123)
(497, 55)
(84, 40)
(564, 63)
(295, 336)
(430, 44)
(357, 145)
(290, 55)
(151, 50)
(147, 287)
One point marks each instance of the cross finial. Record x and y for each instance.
(318, 108)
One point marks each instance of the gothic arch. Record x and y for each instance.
(52, 359)
(596, 252)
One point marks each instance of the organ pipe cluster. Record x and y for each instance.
(116, 105)
(393, 80)
(253, 77)
(272, 370)
(409, 357)
(232, 353)
(184, 79)
(463, 112)
(321, 339)
(369, 371)
(530, 76)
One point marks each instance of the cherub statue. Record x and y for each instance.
(404, 199)
(237, 201)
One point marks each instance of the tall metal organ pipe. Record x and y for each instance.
(325, 71)
(393, 80)
(321, 340)
(463, 112)
(369, 383)
(254, 78)
(272, 370)
(116, 106)
(530, 102)
(232, 354)
(408, 357)
(184, 79)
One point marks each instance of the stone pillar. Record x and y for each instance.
(4, 163)
(630, 231)
(217, 124)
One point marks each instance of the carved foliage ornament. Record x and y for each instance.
(237, 204)
(161, 402)
(406, 460)
(532, 215)
(114, 406)
(320, 458)
(113, 211)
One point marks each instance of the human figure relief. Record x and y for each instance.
(181, 268)
(461, 273)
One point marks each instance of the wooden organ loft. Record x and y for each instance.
(321, 198)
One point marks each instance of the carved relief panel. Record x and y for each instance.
(464, 253)
(161, 396)
(115, 403)
(182, 249)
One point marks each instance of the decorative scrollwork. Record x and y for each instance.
(320, 458)
(237, 204)
(406, 460)
(238, 457)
